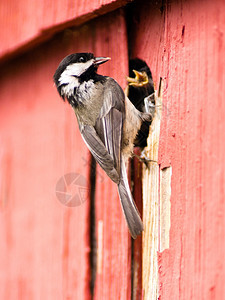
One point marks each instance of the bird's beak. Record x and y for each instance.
(141, 79)
(100, 60)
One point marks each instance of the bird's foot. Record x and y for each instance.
(144, 159)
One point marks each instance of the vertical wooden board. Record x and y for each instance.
(183, 42)
(151, 207)
(197, 212)
(143, 42)
(44, 244)
(137, 191)
(113, 240)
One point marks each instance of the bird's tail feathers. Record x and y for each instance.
(130, 210)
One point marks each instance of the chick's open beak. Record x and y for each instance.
(141, 79)
(101, 60)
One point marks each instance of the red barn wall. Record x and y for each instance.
(185, 46)
(45, 246)
(38, 135)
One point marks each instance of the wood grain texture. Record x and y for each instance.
(25, 24)
(136, 184)
(151, 207)
(165, 208)
(183, 42)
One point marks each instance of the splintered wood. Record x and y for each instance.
(165, 205)
(151, 208)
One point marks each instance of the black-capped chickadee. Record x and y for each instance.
(107, 120)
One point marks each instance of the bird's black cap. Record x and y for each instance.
(70, 59)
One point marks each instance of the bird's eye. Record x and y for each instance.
(81, 59)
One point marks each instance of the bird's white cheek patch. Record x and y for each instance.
(77, 69)
(65, 78)
(72, 70)
(69, 77)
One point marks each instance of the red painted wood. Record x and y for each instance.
(185, 45)
(45, 245)
(26, 23)
(38, 137)
(114, 262)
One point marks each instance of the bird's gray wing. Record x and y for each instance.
(105, 143)
(104, 140)
(110, 128)
(99, 151)
(109, 125)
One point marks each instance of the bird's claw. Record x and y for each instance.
(144, 159)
